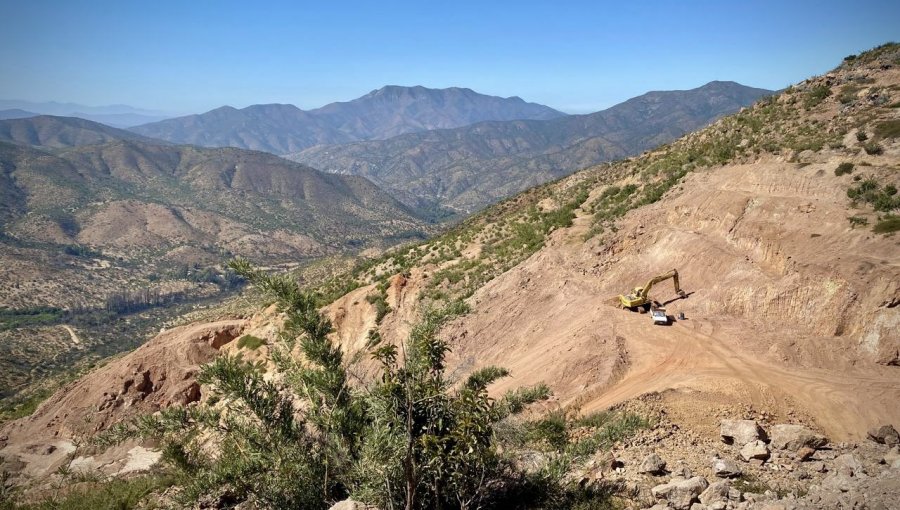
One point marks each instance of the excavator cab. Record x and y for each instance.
(634, 299)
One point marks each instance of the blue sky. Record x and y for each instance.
(194, 55)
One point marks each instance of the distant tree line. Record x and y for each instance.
(79, 250)
(131, 301)
(226, 279)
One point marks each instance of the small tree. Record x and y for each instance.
(434, 443)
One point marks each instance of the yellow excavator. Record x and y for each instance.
(640, 296)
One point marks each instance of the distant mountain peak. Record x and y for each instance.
(223, 109)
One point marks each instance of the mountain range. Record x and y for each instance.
(120, 116)
(383, 113)
(470, 167)
(72, 181)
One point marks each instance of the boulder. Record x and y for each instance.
(349, 504)
(755, 450)
(652, 464)
(681, 494)
(794, 437)
(805, 453)
(740, 431)
(891, 456)
(885, 434)
(726, 468)
(848, 464)
(837, 482)
(717, 491)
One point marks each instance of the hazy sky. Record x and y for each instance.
(194, 55)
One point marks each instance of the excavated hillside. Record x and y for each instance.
(792, 303)
(779, 220)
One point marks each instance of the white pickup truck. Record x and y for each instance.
(659, 316)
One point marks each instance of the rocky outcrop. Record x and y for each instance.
(681, 493)
(794, 437)
(726, 468)
(885, 434)
(755, 450)
(740, 431)
(652, 465)
(349, 504)
(158, 374)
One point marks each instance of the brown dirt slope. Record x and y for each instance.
(158, 374)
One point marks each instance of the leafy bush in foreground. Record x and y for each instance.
(411, 439)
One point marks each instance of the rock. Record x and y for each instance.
(805, 453)
(653, 465)
(681, 493)
(683, 472)
(794, 437)
(885, 434)
(891, 456)
(349, 504)
(740, 431)
(717, 491)
(817, 467)
(755, 450)
(838, 482)
(608, 462)
(726, 468)
(848, 464)
(698, 506)
(774, 505)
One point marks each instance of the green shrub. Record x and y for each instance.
(857, 221)
(250, 342)
(873, 149)
(379, 300)
(551, 430)
(888, 129)
(112, 494)
(843, 169)
(816, 95)
(848, 94)
(887, 225)
(881, 198)
(861, 136)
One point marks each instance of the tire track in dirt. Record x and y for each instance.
(693, 355)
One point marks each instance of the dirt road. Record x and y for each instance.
(75, 339)
(698, 354)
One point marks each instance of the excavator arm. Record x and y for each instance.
(673, 274)
(640, 296)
